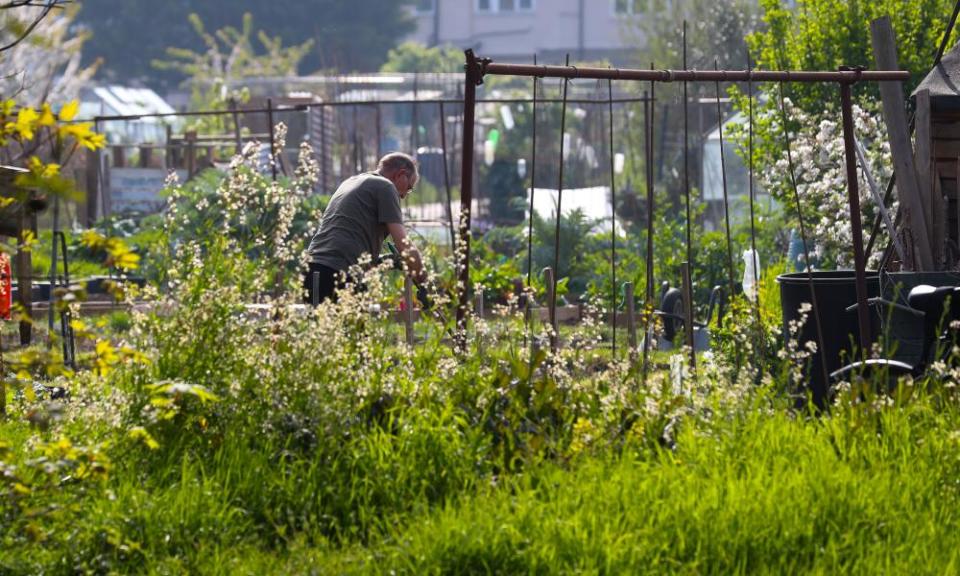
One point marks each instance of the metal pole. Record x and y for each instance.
(273, 150)
(818, 324)
(379, 132)
(472, 76)
(648, 297)
(726, 199)
(716, 75)
(446, 176)
(853, 198)
(613, 225)
(753, 229)
(686, 152)
(556, 236)
(236, 124)
(533, 185)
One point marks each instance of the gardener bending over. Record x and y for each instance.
(363, 210)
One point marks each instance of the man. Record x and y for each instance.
(363, 210)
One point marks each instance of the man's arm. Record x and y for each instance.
(411, 256)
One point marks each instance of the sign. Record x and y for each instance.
(139, 188)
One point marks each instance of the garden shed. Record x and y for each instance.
(937, 145)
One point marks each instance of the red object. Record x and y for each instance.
(6, 287)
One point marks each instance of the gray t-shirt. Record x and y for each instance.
(355, 221)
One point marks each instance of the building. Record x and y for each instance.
(515, 30)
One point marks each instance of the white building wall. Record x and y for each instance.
(550, 27)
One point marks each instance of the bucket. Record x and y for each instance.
(836, 290)
(902, 331)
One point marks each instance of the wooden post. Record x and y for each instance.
(908, 188)
(631, 319)
(688, 311)
(119, 157)
(170, 157)
(238, 141)
(191, 139)
(408, 308)
(552, 311)
(28, 221)
(923, 160)
(478, 308)
(146, 152)
(92, 180)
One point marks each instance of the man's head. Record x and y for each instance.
(400, 169)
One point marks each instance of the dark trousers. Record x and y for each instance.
(329, 282)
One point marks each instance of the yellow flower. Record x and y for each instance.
(46, 116)
(69, 111)
(26, 123)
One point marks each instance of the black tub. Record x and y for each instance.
(836, 291)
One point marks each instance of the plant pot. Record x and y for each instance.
(835, 291)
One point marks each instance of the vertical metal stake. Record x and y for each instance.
(549, 280)
(853, 198)
(408, 308)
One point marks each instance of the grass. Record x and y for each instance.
(754, 491)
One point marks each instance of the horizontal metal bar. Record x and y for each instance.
(405, 101)
(848, 76)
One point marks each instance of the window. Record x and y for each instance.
(426, 6)
(628, 7)
(504, 6)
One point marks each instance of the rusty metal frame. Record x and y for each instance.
(477, 68)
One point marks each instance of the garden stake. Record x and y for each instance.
(803, 231)
(648, 299)
(556, 237)
(414, 120)
(478, 308)
(357, 167)
(273, 149)
(853, 198)
(408, 308)
(753, 229)
(686, 152)
(323, 151)
(688, 265)
(236, 125)
(446, 177)
(878, 200)
(726, 200)
(549, 281)
(631, 320)
(379, 121)
(613, 225)
(688, 312)
(533, 185)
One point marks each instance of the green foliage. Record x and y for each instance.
(414, 57)
(825, 34)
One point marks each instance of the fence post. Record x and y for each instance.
(408, 308)
(191, 138)
(631, 319)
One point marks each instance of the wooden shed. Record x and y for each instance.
(937, 153)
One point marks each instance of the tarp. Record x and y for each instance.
(943, 82)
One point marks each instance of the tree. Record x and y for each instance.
(413, 57)
(825, 34)
(41, 61)
(229, 55)
(348, 36)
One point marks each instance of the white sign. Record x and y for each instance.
(139, 188)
